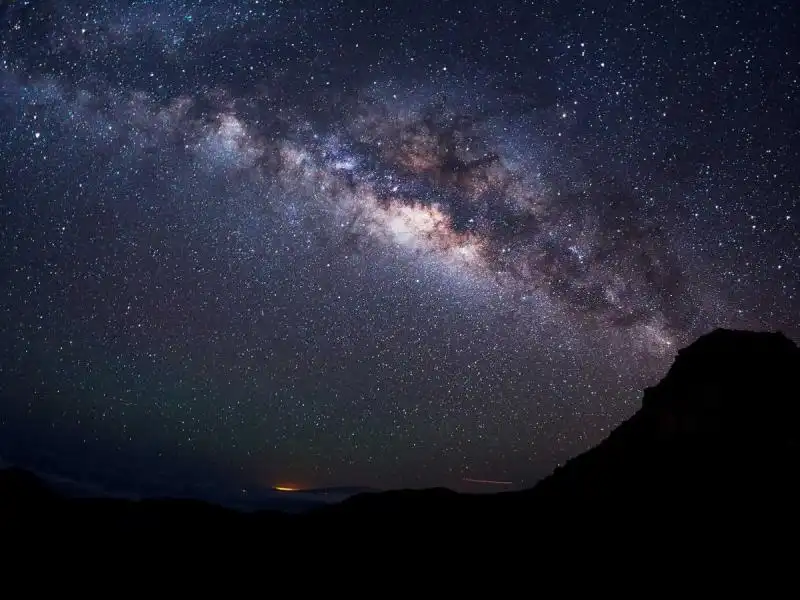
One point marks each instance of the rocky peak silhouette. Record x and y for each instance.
(720, 427)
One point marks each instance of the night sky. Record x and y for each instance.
(248, 244)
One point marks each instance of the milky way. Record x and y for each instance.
(252, 243)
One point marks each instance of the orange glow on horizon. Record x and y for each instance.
(285, 488)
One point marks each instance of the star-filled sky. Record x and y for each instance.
(259, 243)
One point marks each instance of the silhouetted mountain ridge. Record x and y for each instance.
(721, 425)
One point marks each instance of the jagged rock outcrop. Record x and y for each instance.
(721, 428)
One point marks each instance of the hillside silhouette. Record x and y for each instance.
(721, 427)
(715, 443)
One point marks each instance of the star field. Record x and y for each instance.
(258, 243)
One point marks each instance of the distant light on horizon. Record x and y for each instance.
(488, 481)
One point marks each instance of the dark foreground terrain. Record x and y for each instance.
(713, 453)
